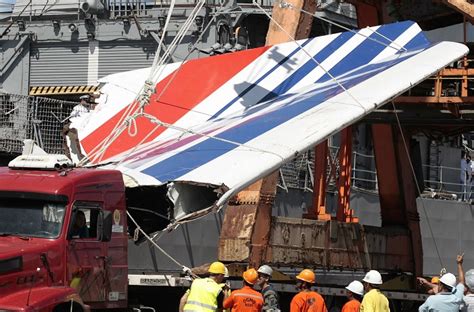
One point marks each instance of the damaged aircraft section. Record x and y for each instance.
(158, 208)
(199, 142)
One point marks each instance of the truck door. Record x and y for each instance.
(87, 258)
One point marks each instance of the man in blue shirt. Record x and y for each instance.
(450, 296)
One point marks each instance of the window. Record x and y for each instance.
(84, 220)
(31, 217)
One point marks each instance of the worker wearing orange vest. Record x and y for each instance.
(355, 291)
(245, 299)
(307, 300)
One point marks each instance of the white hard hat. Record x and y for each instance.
(373, 277)
(265, 269)
(226, 272)
(470, 279)
(356, 287)
(448, 279)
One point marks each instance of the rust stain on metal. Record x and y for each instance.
(262, 226)
(236, 233)
(308, 242)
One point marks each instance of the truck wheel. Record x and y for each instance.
(66, 307)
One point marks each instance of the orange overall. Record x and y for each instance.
(308, 301)
(244, 300)
(351, 306)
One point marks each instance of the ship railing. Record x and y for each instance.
(363, 177)
(298, 174)
(449, 183)
(119, 8)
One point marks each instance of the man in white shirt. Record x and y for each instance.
(77, 111)
(450, 295)
(463, 176)
(469, 177)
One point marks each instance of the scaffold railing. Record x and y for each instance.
(30, 117)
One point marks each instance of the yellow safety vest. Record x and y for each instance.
(203, 296)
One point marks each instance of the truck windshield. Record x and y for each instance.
(30, 217)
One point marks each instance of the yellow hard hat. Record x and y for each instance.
(217, 268)
(435, 280)
(306, 276)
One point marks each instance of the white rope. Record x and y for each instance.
(163, 34)
(155, 120)
(137, 145)
(159, 123)
(177, 39)
(105, 144)
(309, 55)
(284, 4)
(141, 100)
(184, 268)
(146, 90)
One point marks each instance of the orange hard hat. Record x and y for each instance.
(250, 276)
(306, 276)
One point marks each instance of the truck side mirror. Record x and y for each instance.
(104, 226)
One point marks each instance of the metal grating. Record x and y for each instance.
(28, 117)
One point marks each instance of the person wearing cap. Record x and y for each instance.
(435, 283)
(450, 295)
(307, 300)
(205, 294)
(432, 286)
(374, 300)
(270, 296)
(245, 299)
(77, 111)
(469, 297)
(355, 291)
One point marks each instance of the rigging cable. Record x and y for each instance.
(158, 122)
(309, 55)
(183, 267)
(284, 4)
(412, 168)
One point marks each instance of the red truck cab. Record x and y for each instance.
(63, 239)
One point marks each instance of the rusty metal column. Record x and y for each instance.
(344, 213)
(295, 23)
(387, 173)
(298, 26)
(319, 186)
(367, 14)
(409, 193)
(263, 221)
